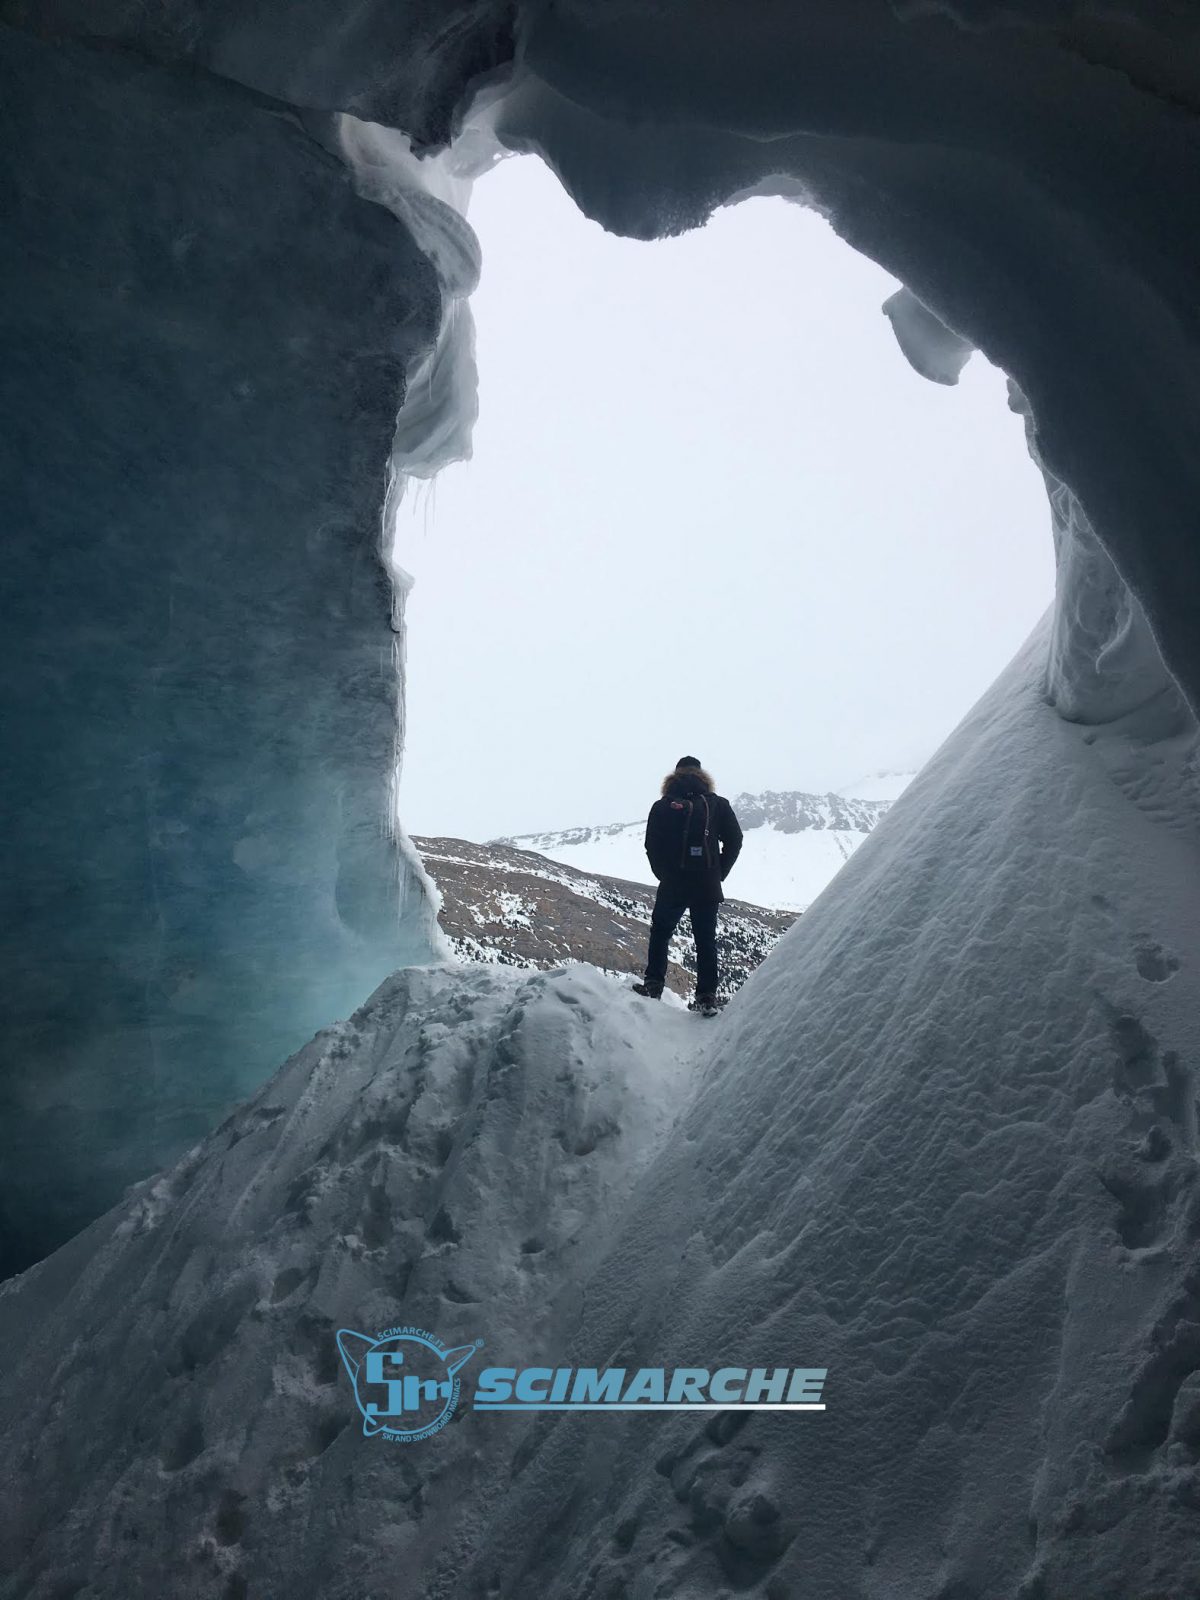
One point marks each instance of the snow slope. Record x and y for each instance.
(172, 1402)
(795, 843)
(943, 1142)
(946, 1138)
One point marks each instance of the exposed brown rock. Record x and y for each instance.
(521, 909)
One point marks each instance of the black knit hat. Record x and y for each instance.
(686, 761)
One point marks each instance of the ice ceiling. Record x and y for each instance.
(209, 334)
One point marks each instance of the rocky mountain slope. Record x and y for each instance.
(796, 842)
(516, 908)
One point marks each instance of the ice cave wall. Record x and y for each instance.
(205, 334)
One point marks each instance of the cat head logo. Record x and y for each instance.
(405, 1380)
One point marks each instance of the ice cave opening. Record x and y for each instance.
(943, 1144)
(709, 502)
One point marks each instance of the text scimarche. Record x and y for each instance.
(407, 1386)
(685, 1388)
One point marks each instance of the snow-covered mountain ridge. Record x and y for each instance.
(792, 811)
(796, 842)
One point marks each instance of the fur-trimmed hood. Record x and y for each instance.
(694, 778)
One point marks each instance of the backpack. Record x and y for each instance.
(693, 824)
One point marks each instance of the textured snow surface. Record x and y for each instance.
(943, 1142)
(455, 1149)
(923, 1147)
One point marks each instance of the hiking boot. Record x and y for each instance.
(706, 1004)
(650, 987)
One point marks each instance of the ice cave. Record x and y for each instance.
(944, 1143)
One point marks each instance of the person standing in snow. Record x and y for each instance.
(692, 840)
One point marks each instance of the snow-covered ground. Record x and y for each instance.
(172, 1402)
(795, 843)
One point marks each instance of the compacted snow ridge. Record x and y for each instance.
(453, 1152)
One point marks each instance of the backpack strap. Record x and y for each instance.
(687, 830)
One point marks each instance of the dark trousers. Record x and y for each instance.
(669, 906)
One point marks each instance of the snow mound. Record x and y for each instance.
(172, 1400)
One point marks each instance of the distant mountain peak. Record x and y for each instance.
(796, 842)
(794, 810)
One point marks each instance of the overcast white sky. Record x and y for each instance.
(711, 511)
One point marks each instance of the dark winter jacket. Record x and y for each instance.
(675, 831)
